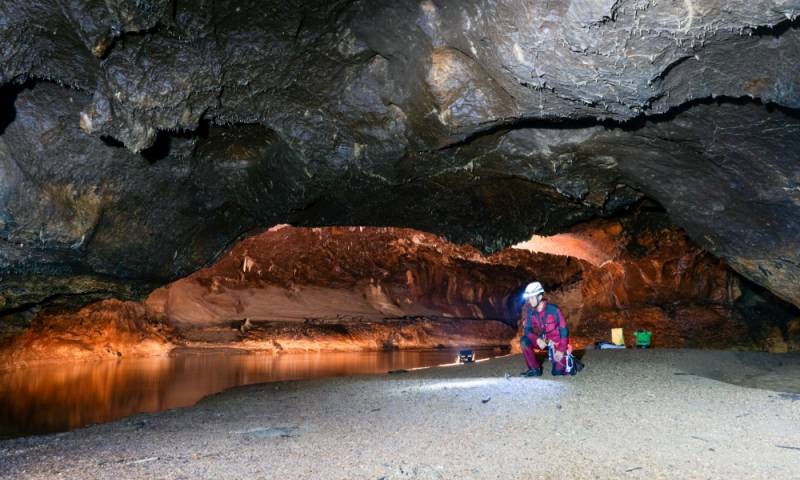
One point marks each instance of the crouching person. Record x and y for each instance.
(545, 329)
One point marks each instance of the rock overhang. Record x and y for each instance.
(481, 121)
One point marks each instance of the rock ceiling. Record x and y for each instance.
(139, 139)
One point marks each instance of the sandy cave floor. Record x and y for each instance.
(630, 414)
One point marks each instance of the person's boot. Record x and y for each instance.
(560, 370)
(576, 367)
(532, 372)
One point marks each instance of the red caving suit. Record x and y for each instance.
(550, 325)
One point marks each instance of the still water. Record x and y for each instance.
(63, 397)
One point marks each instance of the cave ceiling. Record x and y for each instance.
(139, 139)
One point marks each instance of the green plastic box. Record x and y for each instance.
(642, 338)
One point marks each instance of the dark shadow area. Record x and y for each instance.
(776, 30)
(630, 125)
(761, 370)
(22, 315)
(8, 96)
(514, 304)
(112, 142)
(159, 150)
(179, 144)
(763, 311)
(670, 115)
(648, 216)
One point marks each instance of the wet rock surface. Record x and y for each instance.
(150, 135)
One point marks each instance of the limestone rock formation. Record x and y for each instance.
(356, 274)
(650, 276)
(140, 139)
(109, 329)
(293, 289)
(301, 289)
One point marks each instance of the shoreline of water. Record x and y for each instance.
(61, 397)
(206, 349)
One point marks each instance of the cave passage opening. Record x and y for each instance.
(285, 304)
(630, 270)
(294, 303)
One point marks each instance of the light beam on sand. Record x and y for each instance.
(457, 363)
(462, 384)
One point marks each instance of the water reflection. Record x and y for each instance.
(63, 397)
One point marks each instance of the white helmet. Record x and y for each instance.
(533, 289)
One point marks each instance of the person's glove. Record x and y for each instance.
(541, 343)
(558, 356)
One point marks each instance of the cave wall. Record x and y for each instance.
(648, 275)
(660, 281)
(140, 139)
(356, 274)
(292, 289)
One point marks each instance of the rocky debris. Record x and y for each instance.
(151, 134)
(418, 333)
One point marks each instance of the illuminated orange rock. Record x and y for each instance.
(322, 289)
(355, 274)
(103, 330)
(347, 289)
(650, 279)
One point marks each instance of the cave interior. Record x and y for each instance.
(245, 179)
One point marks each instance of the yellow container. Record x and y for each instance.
(617, 338)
